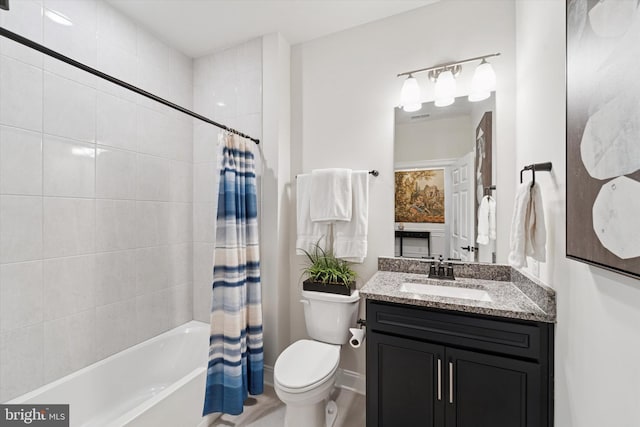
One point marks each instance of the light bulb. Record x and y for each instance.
(445, 89)
(410, 95)
(483, 82)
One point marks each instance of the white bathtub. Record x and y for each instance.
(159, 382)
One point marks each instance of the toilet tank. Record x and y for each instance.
(329, 316)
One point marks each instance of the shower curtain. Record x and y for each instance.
(235, 365)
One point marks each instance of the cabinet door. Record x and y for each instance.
(491, 391)
(403, 379)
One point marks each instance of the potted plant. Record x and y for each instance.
(326, 273)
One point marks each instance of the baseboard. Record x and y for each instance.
(351, 380)
(268, 375)
(348, 380)
(209, 419)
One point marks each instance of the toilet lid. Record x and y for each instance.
(305, 363)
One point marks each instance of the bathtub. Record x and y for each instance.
(159, 382)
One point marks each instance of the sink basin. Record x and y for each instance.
(445, 291)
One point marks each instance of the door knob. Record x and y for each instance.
(469, 248)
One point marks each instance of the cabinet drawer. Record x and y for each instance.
(501, 336)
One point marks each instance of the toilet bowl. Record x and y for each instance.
(305, 372)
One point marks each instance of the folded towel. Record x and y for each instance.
(309, 233)
(486, 220)
(528, 231)
(351, 237)
(331, 198)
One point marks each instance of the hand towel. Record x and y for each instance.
(331, 197)
(486, 220)
(528, 231)
(351, 237)
(309, 233)
(536, 229)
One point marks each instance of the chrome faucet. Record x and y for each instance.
(441, 270)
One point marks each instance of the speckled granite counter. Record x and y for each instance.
(513, 293)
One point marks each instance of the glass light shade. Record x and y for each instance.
(445, 89)
(483, 82)
(410, 95)
(478, 96)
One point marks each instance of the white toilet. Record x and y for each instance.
(305, 372)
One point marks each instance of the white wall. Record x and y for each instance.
(227, 87)
(247, 87)
(277, 208)
(344, 89)
(597, 379)
(95, 193)
(431, 139)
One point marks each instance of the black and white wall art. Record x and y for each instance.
(603, 133)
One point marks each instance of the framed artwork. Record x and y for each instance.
(603, 134)
(420, 196)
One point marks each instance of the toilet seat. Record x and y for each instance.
(305, 365)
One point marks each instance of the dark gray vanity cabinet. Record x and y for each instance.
(429, 367)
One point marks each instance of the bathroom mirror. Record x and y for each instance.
(444, 166)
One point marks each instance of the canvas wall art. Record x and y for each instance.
(420, 196)
(603, 134)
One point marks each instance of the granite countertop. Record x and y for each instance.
(513, 294)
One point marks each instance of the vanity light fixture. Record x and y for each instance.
(445, 89)
(444, 76)
(483, 83)
(410, 95)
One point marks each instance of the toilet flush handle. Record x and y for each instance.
(304, 301)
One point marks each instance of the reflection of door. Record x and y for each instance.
(462, 194)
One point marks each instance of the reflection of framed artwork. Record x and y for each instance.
(420, 196)
(603, 134)
(483, 162)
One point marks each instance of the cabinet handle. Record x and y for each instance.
(439, 379)
(450, 382)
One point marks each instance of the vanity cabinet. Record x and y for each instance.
(428, 367)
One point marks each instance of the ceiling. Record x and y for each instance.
(199, 27)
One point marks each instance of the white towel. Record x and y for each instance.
(528, 231)
(486, 220)
(351, 237)
(309, 233)
(331, 198)
(536, 231)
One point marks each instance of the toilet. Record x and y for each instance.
(305, 372)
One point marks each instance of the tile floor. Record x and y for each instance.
(267, 410)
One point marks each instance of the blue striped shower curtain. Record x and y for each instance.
(235, 346)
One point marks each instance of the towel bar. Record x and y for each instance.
(536, 167)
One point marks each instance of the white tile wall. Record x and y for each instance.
(20, 228)
(69, 286)
(22, 367)
(21, 88)
(20, 161)
(68, 167)
(21, 282)
(96, 190)
(69, 227)
(115, 225)
(227, 87)
(69, 109)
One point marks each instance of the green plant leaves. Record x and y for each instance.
(324, 267)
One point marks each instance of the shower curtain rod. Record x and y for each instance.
(52, 53)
